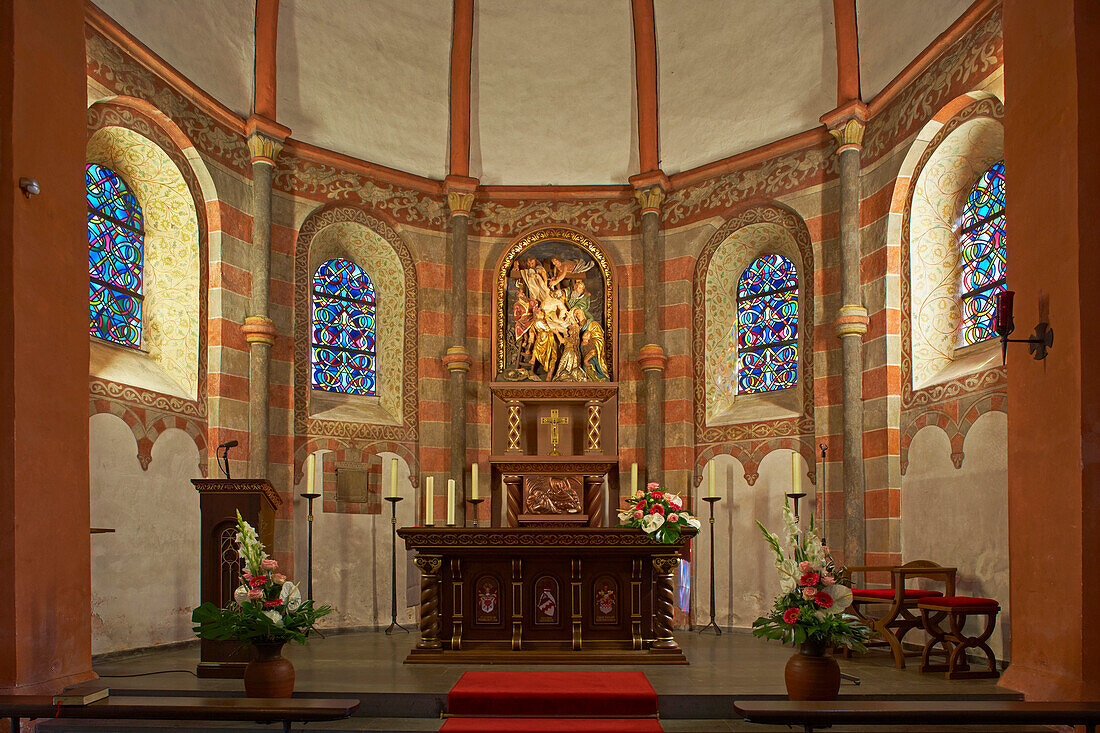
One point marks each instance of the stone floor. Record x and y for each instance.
(409, 697)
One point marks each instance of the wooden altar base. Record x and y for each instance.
(546, 595)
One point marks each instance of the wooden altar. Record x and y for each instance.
(540, 594)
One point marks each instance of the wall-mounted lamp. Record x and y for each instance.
(1039, 343)
(29, 187)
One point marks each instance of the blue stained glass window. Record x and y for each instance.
(343, 352)
(767, 325)
(984, 256)
(116, 256)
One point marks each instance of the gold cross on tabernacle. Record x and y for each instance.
(554, 421)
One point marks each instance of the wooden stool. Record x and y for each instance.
(955, 642)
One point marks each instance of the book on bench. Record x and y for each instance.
(81, 697)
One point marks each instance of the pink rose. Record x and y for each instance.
(805, 566)
(823, 599)
(808, 593)
(268, 564)
(639, 494)
(279, 578)
(653, 485)
(246, 575)
(637, 513)
(828, 580)
(790, 615)
(255, 594)
(809, 579)
(674, 517)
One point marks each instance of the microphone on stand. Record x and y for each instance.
(223, 459)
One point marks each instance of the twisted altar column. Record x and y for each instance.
(651, 357)
(265, 140)
(430, 624)
(847, 125)
(460, 199)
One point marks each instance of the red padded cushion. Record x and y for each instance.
(957, 601)
(887, 594)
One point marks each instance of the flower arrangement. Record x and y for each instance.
(810, 606)
(658, 513)
(266, 607)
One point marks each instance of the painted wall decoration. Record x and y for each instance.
(555, 310)
(351, 233)
(942, 188)
(170, 310)
(717, 300)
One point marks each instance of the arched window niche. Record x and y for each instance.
(166, 360)
(728, 398)
(364, 248)
(937, 238)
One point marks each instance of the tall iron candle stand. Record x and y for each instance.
(309, 544)
(824, 497)
(717, 629)
(475, 502)
(393, 566)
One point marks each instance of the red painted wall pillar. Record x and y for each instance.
(1052, 60)
(45, 555)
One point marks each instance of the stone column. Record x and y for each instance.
(265, 140)
(651, 357)
(460, 199)
(847, 125)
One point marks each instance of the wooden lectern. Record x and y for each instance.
(220, 568)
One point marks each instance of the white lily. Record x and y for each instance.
(240, 595)
(842, 598)
(275, 616)
(691, 521)
(626, 515)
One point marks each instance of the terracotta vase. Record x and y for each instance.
(812, 674)
(269, 673)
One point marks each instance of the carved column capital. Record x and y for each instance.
(649, 190)
(265, 138)
(460, 194)
(259, 330)
(847, 123)
(428, 564)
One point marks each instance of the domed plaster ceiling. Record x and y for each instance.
(553, 88)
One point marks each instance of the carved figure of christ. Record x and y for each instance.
(554, 421)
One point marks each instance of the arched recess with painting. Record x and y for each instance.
(354, 400)
(752, 296)
(148, 404)
(953, 421)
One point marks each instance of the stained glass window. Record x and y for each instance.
(343, 353)
(984, 257)
(767, 325)
(116, 243)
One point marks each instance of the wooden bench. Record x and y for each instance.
(258, 709)
(812, 715)
(954, 642)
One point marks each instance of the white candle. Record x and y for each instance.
(311, 469)
(710, 477)
(393, 477)
(429, 502)
(796, 475)
(473, 481)
(633, 479)
(450, 502)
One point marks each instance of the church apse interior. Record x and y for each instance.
(759, 241)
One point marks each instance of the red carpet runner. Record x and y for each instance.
(552, 702)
